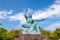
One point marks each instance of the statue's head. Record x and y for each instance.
(29, 16)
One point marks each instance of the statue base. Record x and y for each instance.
(29, 37)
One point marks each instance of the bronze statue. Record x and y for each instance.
(31, 26)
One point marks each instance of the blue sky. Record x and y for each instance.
(19, 5)
(11, 13)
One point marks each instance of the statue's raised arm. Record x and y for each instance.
(25, 14)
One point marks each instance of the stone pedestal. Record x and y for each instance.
(30, 37)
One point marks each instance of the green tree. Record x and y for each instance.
(52, 35)
(45, 33)
(13, 34)
(57, 31)
(2, 33)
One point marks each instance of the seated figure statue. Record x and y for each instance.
(31, 26)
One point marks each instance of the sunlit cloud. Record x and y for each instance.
(54, 9)
(4, 13)
(20, 17)
(53, 26)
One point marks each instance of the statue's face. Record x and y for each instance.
(30, 20)
(29, 15)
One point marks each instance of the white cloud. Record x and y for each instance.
(4, 13)
(53, 26)
(20, 17)
(54, 9)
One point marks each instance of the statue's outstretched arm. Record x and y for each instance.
(40, 20)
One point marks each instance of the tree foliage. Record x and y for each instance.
(2, 33)
(13, 33)
(52, 35)
(9, 35)
(57, 31)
